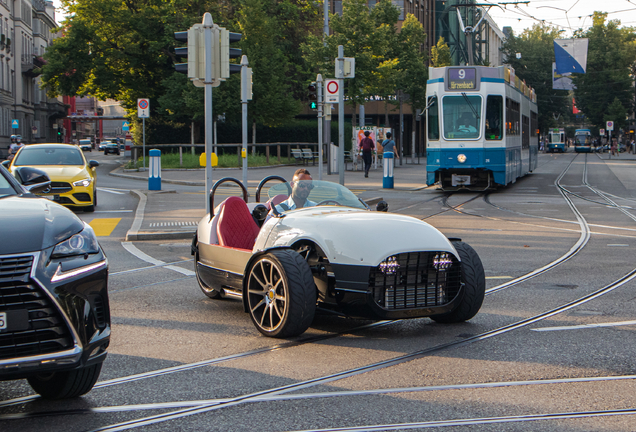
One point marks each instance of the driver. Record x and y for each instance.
(302, 185)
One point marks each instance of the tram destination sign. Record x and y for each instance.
(462, 79)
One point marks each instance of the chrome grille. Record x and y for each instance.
(15, 268)
(420, 279)
(47, 331)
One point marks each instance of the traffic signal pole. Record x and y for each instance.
(207, 31)
(320, 117)
(341, 133)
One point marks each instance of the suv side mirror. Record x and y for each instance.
(6, 163)
(382, 206)
(33, 179)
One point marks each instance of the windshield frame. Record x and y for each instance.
(322, 191)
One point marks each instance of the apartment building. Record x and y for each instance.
(26, 31)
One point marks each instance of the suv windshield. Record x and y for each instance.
(320, 193)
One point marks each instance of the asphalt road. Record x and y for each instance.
(551, 349)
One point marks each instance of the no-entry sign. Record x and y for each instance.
(143, 108)
(332, 88)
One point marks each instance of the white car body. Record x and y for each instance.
(349, 249)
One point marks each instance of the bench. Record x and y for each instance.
(309, 155)
(297, 155)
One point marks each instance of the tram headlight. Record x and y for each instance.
(461, 158)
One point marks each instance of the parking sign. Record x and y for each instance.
(143, 108)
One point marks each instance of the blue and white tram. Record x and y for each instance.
(482, 127)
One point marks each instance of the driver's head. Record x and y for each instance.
(301, 184)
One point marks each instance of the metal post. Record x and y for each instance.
(400, 97)
(320, 116)
(244, 86)
(207, 29)
(341, 140)
(143, 154)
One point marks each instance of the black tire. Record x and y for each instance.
(474, 281)
(63, 385)
(208, 291)
(281, 294)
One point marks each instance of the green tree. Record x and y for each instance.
(440, 54)
(617, 113)
(536, 46)
(412, 62)
(608, 76)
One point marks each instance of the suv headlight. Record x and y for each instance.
(82, 243)
(84, 182)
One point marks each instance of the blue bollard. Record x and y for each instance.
(387, 180)
(154, 175)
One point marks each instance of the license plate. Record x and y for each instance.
(14, 320)
(461, 180)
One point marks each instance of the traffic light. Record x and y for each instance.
(226, 53)
(194, 52)
(59, 135)
(313, 96)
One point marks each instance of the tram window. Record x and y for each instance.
(433, 119)
(494, 118)
(461, 116)
(525, 129)
(512, 117)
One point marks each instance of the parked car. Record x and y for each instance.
(111, 147)
(73, 178)
(86, 144)
(101, 146)
(336, 256)
(54, 309)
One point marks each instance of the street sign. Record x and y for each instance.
(15, 124)
(332, 87)
(143, 108)
(610, 125)
(125, 126)
(601, 131)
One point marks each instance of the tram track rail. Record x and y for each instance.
(276, 393)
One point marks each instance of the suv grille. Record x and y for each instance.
(46, 332)
(416, 280)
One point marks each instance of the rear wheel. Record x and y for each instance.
(474, 281)
(62, 385)
(281, 294)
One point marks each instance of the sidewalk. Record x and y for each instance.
(174, 214)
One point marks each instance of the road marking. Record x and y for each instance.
(173, 224)
(584, 326)
(498, 277)
(111, 191)
(144, 257)
(113, 211)
(619, 245)
(103, 227)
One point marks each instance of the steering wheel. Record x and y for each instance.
(463, 130)
(328, 201)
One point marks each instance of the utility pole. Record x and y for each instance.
(341, 141)
(320, 125)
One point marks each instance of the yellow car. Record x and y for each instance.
(72, 177)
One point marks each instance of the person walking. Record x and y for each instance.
(367, 146)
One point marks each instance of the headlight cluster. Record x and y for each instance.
(82, 243)
(389, 266)
(442, 262)
(84, 182)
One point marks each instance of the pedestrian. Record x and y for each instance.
(388, 145)
(367, 146)
(613, 148)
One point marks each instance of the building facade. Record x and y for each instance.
(26, 31)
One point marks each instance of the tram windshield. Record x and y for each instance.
(582, 139)
(462, 116)
(556, 138)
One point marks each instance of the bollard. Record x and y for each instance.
(154, 174)
(387, 180)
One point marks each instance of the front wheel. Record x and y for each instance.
(281, 294)
(474, 281)
(63, 385)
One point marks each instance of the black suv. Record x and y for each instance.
(111, 147)
(54, 310)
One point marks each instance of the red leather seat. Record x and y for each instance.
(275, 201)
(236, 227)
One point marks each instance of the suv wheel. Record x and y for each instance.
(62, 385)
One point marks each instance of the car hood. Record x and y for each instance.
(29, 224)
(64, 172)
(353, 236)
